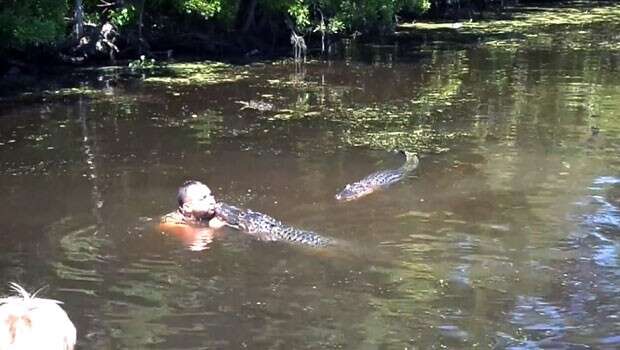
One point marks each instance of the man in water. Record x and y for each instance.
(194, 221)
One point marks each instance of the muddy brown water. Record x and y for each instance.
(506, 236)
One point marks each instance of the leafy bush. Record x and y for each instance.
(28, 23)
(31, 22)
(123, 16)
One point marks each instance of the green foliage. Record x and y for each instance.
(352, 15)
(416, 6)
(92, 17)
(421, 6)
(361, 15)
(335, 26)
(31, 22)
(216, 11)
(26, 23)
(203, 8)
(367, 15)
(124, 16)
(300, 13)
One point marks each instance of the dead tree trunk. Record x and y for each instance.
(78, 17)
(298, 42)
(323, 30)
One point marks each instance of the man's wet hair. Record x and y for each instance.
(182, 192)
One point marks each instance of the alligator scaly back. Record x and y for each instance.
(267, 228)
(379, 180)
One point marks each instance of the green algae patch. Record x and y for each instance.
(76, 91)
(57, 95)
(407, 126)
(431, 26)
(196, 73)
(538, 19)
(528, 20)
(534, 27)
(415, 138)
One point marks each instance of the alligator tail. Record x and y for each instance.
(304, 237)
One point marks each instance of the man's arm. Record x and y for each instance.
(217, 223)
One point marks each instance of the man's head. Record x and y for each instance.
(195, 199)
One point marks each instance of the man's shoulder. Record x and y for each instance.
(174, 218)
(177, 218)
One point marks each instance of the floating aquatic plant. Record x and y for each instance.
(196, 73)
(533, 28)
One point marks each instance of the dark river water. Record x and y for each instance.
(506, 236)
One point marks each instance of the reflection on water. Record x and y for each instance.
(603, 221)
(506, 236)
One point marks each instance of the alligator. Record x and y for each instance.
(266, 228)
(261, 106)
(378, 180)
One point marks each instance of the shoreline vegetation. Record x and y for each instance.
(46, 36)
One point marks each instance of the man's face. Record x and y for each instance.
(199, 201)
